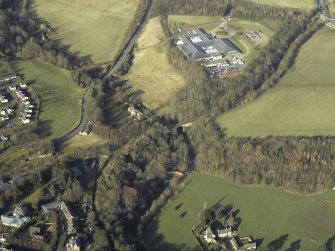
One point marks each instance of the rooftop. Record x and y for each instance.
(199, 45)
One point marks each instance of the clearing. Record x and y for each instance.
(300, 103)
(91, 27)
(301, 4)
(152, 77)
(61, 97)
(80, 141)
(265, 213)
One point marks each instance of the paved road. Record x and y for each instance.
(83, 122)
(130, 44)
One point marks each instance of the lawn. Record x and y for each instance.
(61, 97)
(265, 213)
(152, 77)
(301, 4)
(91, 27)
(300, 104)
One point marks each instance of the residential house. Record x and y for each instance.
(224, 233)
(208, 235)
(35, 234)
(73, 245)
(25, 120)
(250, 246)
(23, 85)
(14, 221)
(20, 211)
(3, 100)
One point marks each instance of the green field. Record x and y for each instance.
(82, 142)
(301, 4)
(152, 77)
(61, 97)
(91, 27)
(300, 104)
(264, 212)
(185, 21)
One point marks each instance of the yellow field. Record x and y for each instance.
(151, 75)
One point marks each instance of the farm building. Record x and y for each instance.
(134, 112)
(86, 130)
(227, 232)
(208, 235)
(7, 78)
(198, 45)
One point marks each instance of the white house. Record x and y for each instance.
(208, 235)
(25, 121)
(14, 221)
(225, 233)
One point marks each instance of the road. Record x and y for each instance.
(130, 44)
(83, 122)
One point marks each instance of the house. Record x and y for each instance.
(73, 245)
(35, 234)
(135, 113)
(86, 130)
(26, 102)
(208, 235)
(224, 233)
(12, 87)
(9, 111)
(4, 118)
(250, 246)
(3, 112)
(234, 244)
(25, 121)
(28, 116)
(3, 100)
(23, 85)
(7, 78)
(20, 211)
(198, 45)
(4, 138)
(14, 221)
(28, 110)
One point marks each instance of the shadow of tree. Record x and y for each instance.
(278, 243)
(294, 246)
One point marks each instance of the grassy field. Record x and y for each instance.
(61, 97)
(184, 21)
(300, 104)
(151, 76)
(301, 4)
(82, 142)
(264, 212)
(91, 27)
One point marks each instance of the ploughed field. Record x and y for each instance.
(93, 28)
(60, 109)
(302, 102)
(151, 76)
(301, 4)
(266, 214)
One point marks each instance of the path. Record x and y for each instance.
(129, 44)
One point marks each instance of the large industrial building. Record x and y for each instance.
(198, 45)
